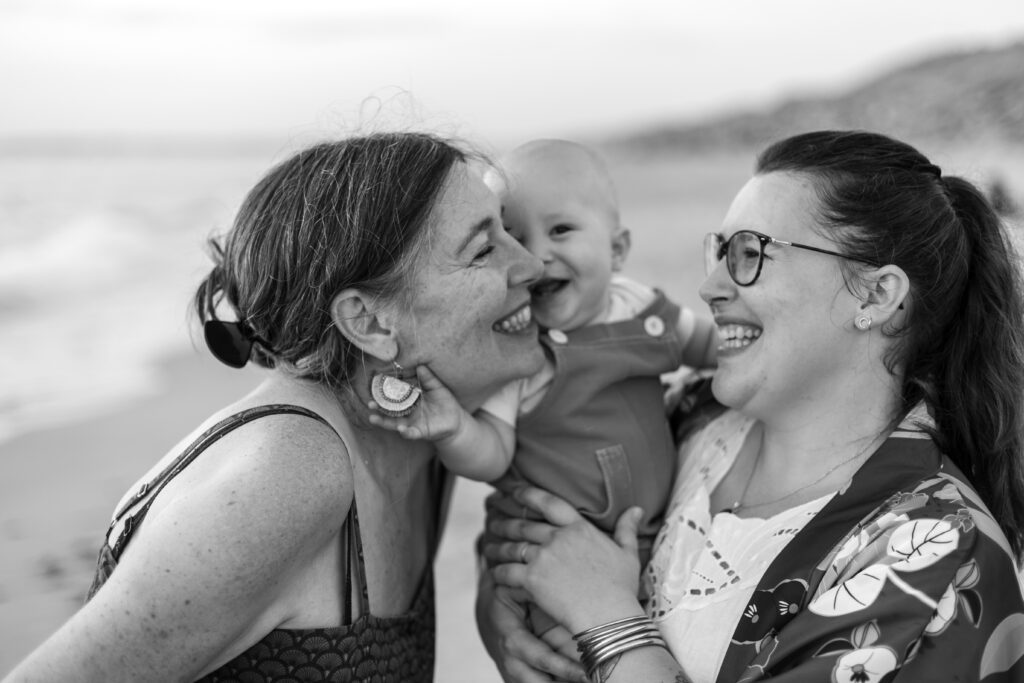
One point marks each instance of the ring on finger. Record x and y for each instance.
(523, 547)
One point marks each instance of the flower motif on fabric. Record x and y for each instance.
(770, 610)
(860, 661)
(902, 503)
(962, 520)
(948, 492)
(959, 597)
(913, 546)
(867, 665)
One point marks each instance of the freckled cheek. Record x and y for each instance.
(464, 335)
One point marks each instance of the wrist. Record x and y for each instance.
(604, 611)
(600, 646)
(450, 438)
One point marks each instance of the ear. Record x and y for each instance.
(362, 321)
(887, 288)
(621, 242)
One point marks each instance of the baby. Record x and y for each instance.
(591, 425)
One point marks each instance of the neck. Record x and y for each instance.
(384, 454)
(821, 433)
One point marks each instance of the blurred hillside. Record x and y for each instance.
(964, 97)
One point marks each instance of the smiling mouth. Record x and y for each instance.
(737, 336)
(517, 322)
(547, 287)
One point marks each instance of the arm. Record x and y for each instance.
(210, 570)
(478, 446)
(569, 561)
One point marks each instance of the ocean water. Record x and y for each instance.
(98, 260)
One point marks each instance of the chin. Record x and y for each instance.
(519, 355)
(727, 393)
(529, 362)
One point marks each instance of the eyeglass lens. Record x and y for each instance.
(742, 252)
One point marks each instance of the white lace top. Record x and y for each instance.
(705, 567)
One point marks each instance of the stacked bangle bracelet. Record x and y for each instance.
(599, 644)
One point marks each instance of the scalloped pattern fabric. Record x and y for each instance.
(371, 650)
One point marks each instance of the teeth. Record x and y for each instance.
(737, 336)
(517, 322)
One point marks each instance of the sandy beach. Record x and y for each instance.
(58, 488)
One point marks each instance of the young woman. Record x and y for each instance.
(857, 512)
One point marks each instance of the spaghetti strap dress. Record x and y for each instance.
(397, 649)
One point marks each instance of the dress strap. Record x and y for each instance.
(352, 544)
(153, 487)
(355, 567)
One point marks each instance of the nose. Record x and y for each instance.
(524, 267)
(718, 286)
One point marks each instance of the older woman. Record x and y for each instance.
(241, 555)
(857, 512)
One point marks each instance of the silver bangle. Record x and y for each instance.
(600, 641)
(599, 644)
(610, 626)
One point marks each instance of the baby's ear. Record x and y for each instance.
(621, 242)
(358, 317)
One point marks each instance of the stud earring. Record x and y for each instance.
(863, 322)
(393, 395)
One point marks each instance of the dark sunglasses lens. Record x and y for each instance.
(744, 257)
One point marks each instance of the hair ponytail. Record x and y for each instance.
(979, 377)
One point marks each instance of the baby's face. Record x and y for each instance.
(573, 229)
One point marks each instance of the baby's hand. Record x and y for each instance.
(436, 416)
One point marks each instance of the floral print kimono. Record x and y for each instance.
(902, 576)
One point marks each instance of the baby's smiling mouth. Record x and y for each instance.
(546, 287)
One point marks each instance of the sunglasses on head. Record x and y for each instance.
(744, 254)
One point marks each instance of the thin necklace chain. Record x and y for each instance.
(739, 501)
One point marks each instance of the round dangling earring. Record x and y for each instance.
(863, 322)
(393, 395)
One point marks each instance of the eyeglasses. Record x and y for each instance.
(744, 254)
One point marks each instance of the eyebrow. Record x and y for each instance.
(483, 226)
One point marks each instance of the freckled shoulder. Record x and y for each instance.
(296, 465)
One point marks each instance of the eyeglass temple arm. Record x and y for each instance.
(821, 251)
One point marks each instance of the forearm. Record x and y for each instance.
(652, 664)
(626, 648)
(477, 449)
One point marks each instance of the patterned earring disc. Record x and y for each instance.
(394, 396)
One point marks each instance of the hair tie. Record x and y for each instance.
(231, 343)
(931, 169)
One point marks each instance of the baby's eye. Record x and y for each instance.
(561, 229)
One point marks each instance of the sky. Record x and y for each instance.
(493, 71)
